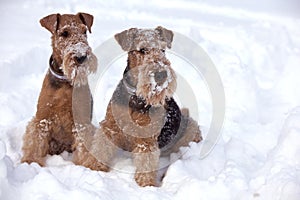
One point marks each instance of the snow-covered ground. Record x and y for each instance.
(255, 46)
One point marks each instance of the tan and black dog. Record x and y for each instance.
(142, 117)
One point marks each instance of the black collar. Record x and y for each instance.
(53, 66)
(130, 89)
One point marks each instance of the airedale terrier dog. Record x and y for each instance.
(53, 130)
(142, 116)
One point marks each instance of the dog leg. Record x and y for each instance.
(146, 160)
(95, 151)
(36, 142)
(83, 157)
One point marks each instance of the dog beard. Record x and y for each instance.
(154, 93)
(77, 74)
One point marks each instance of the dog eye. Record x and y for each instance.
(143, 50)
(84, 32)
(163, 50)
(64, 34)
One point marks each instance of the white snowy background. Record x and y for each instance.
(255, 46)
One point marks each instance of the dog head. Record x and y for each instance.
(71, 51)
(148, 73)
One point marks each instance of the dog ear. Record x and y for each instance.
(50, 22)
(86, 19)
(165, 35)
(125, 38)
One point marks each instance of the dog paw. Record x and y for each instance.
(99, 167)
(146, 179)
(40, 161)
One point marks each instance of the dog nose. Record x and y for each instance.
(80, 59)
(160, 77)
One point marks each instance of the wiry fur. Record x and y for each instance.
(142, 117)
(147, 65)
(53, 130)
(74, 45)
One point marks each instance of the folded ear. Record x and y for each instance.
(165, 35)
(125, 38)
(50, 22)
(86, 19)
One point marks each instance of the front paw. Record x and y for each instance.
(146, 179)
(29, 160)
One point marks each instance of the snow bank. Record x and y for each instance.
(256, 52)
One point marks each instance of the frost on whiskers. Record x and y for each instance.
(152, 91)
(157, 88)
(76, 72)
